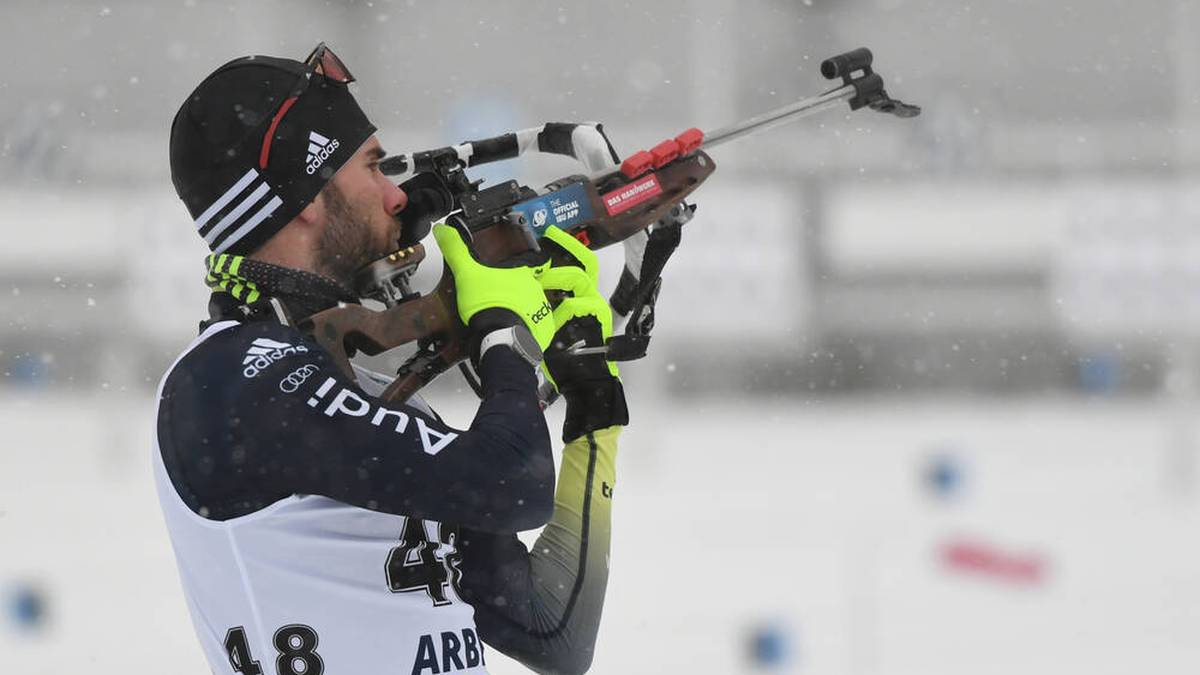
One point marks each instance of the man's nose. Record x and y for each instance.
(397, 199)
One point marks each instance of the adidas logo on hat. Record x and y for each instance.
(319, 150)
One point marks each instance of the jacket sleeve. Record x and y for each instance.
(542, 607)
(260, 412)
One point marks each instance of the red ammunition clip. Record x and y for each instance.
(664, 152)
(689, 140)
(637, 164)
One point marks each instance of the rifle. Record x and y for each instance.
(641, 202)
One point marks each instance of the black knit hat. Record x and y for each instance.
(257, 140)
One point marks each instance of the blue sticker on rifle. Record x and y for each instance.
(565, 208)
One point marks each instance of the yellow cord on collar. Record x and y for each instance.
(223, 275)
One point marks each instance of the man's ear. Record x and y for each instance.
(313, 214)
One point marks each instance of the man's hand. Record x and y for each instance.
(588, 382)
(487, 297)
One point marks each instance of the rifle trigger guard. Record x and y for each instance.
(627, 347)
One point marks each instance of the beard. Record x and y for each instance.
(346, 244)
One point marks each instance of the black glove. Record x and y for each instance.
(588, 382)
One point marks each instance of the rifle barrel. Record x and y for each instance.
(778, 116)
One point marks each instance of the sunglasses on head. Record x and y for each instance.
(321, 61)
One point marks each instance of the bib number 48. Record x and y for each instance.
(296, 645)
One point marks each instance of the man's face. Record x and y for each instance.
(361, 208)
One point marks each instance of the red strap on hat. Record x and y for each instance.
(266, 144)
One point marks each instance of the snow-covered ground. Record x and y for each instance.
(816, 519)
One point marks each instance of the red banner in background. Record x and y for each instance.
(986, 560)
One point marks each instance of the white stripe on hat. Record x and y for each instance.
(236, 213)
(313, 149)
(314, 136)
(226, 198)
(242, 231)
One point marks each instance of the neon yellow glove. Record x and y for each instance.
(479, 287)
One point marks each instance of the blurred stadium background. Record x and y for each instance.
(923, 393)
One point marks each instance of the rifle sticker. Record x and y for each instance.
(564, 208)
(628, 196)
